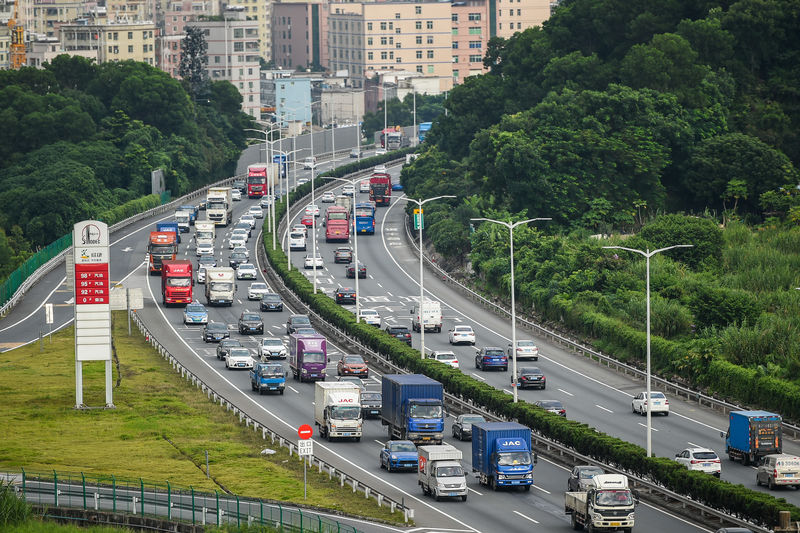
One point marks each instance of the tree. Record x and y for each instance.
(194, 60)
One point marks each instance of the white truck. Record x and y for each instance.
(219, 205)
(430, 318)
(184, 220)
(607, 505)
(220, 286)
(337, 409)
(440, 472)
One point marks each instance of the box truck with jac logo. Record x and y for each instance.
(176, 282)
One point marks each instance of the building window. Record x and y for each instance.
(383, 26)
(430, 39)
(383, 55)
(418, 10)
(429, 24)
(455, 45)
(238, 47)
(397, 29)
(474, 16)
(369, 56)
(238, 33)
(455, 59)
(398, 60)
(397, 45)
(383, 41)
(130, 35)
(397, 15)
(418, 24)
(419, 54)
(519, 12)
(391, 25)
(430, 54)
(474, 30)
(419, 39)
(475, 58)
(391, 55)
(391, 40)
(430, 69)
(369, 41)
(500, 26)
(419, 69)
(499, 12)
(455, 31)
(454, 17)
(474, 44)
(455, 74)
(369, 26)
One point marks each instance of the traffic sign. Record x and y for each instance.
(418, 219)
(305, 447)
(305, 431)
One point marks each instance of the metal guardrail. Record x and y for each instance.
(108, 493)
(283, 441)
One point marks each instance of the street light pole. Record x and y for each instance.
(420, 203)
(355, 241)
(511, 227)
(648, 254)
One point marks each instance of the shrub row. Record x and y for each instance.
(737, 500)
(129, 209)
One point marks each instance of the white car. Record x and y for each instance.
(241, 249)
(246, 271)
(237, 240)
(301, 228)
(239, 358)
(265, 201)
(302, 181)
(370, 316)
(526, 349)
(380, 151)
(297, 240)
(363, 186)
(312, 209)
(312, 262)
(256, 211)
(660, 403)
(349, 190)
(328, 197)
(702, 459)
(257, 290)
(309, 163)
(446, 357)
(236, 195)
(250, 219)
(272, 348)
(462, 335)
(205, 249)
(201, 274)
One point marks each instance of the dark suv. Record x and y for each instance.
(491, 357)
(350, 270)
(241, 185)
(250, 322)
(345, 295)
(225, 345)
(297, 321)
(343, 254)
(400, 332)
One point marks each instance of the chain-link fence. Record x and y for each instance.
(108, 493)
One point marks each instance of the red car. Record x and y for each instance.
(307, 220)
(352, 365)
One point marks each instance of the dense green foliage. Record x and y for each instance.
(79, 139)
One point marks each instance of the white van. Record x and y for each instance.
(778, 469)
(297, 240)
(309, 163)
(431, 316)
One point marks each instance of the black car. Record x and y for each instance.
(297, 321)
(345, 295)
(271, 302)
(240, 184)
(236, 259)
(215, 332)
(581, 477)
(350, 271)
(206, 261)
(371, 404)
(462, 427)
(343, 254)
(246, 226)
(250, 322)
(530, 377)
(225, 345)
(400, 332)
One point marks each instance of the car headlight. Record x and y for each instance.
(333, 426)
(595, 516)
(304, 371)
(394, 457)
(501, 476)
(529, 476)
(630, 516)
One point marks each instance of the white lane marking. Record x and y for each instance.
(565, 392)
(540, 488)
(645, 425)
(526, 517)
(690, 443)
(479, 377)
(293, 389)
(507, 391)
(475, 491)
(257, 405)
(379, 442)
(390, 294)
(603, 408)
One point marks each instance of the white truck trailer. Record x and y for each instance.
(608, 505)
(440, 472)
(337, 409)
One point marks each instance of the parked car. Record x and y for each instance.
(327, 197)
(297, 321)
(246, 271)
(310, 261)
(239, 358)
(343, 254)
(776, 470)
(301, 227)
(462, 335)
(444, 356)
(399, 455)
(530, 377)
(352, 365)
(526, 349)
(257, 290)
(400, 332)
(370, 316)
(660, 403)
(225, 346)
(345, 295)
(462, 427)
(553, 406)
(371, 404)
(350, 270)
(215, 332)
(195, 313)
(265, 201)
(704, 460)
(250, 322)
(240, 185)
(580, 478)
(272, 348)
(491, 357)
(271, 302)
(205, 261)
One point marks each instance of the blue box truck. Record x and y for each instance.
(501, 454)
(413, 408)
(169, 226)
(752, 435)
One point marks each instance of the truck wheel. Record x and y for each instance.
(493, 483)
(771, 484)
(388, 465)
(574, 522)
(358, 439)
(436, 495)
(758, 481)
(526, 488)
(281, 391)
(464, 498)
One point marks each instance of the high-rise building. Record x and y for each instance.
(260, 13)
(118, 41)
(470, 34)
(296, 35)
(512, 16)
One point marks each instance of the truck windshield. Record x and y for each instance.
(313, 357)
(179, 282)
(514, 458)
(162, 249)
(204, 235)
(449, 471)
(274, 372)
(215, 204)
(613, 498)
(345, 412)
(425, 411)
(337, 216)
(222, 286)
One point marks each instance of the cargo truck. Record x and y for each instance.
(430, 318)
(267, 377)
(752, 435)
(608, 505)
(183, 219)
(220, 286)
(501, 454)
(219, 205)
(170, 226)
(308, 356)
(337, 410)
(413, 408)
(380, 187)
(204, 232)
(440, 473)
(192, 210)
(162, 247)
(176, 282)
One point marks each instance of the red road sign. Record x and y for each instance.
(305, 431)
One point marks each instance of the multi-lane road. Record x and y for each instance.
(591, 394)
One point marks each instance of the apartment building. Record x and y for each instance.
(233, 55)
(292, 100)
(296, 35)
(470, 34)
(172, 23)
(44, 19)
(5, 46)
(260, 13)
(512, 16)
(116, 41)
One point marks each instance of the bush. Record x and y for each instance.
(670, 230)
(13, 509)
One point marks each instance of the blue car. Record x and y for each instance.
(195, 313)
(491, 357)
(397, 187)
(399, 455)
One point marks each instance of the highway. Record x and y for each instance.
(390, 288)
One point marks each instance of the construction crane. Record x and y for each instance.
(17, 54)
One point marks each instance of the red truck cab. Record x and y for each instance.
(380, 188)
(176, 282)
